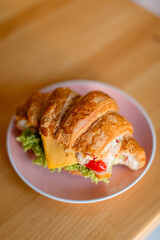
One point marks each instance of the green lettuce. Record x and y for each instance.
(86, 172)
(32, 141)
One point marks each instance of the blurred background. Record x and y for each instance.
(42, 42)
(47, 41)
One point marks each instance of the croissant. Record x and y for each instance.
(85, 111)
(81, 134)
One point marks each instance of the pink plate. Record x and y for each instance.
(76, 189)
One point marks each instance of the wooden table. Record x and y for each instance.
(42, 42)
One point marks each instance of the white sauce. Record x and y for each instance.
(22, 124)
(131, 162)
(112, 150)
(114, 145)
(83, 160)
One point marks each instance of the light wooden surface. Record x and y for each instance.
(42, 42)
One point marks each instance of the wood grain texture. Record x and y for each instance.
(42, 42)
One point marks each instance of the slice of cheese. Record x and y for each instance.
(55, 153)
(105, 175)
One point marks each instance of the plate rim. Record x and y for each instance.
(86, 82)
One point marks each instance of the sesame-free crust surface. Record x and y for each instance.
(42, 42)
(58, 104)
(86, 111)
(102, 132)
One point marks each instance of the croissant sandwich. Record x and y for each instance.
(84, 135)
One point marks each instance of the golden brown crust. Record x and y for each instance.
(21, 112)
(130, 146)
(31, 110)
(90, 107)
(101, 133)
(87, 124)
(36, 108)
(60, 100)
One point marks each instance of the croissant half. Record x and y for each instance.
(84, 130)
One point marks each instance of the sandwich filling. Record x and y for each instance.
(84, 135)
(111, 155)
(49, 153)
(32, 141)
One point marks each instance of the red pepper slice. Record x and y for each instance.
(97, 166)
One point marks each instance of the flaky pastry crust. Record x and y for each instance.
(60, 100)
(101, 133)
(87, 124)
(32, 109)
(36, 108)
(87, 110)
(130, 146)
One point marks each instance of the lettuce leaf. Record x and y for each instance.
(86, 172)
(32, 141)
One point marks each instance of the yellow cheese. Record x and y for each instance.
(55, 153)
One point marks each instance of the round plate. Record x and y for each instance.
(66, 187)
